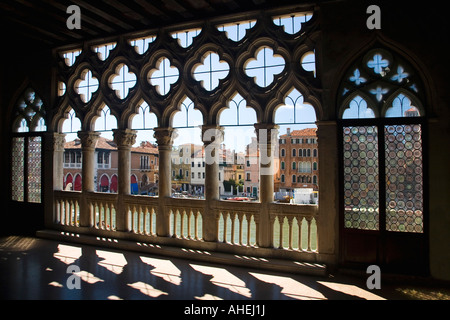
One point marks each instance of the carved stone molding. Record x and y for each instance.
(88, 139)
(164, 136)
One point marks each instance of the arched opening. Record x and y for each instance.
(383, 191)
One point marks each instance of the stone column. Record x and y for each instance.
(124, 139)
(267, 134)
(53, 162)
(328, 217)
(58, 159)
(212, 137)
(164, 137)
(88, 144)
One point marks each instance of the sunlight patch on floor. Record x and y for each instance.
(351, 290)
(208, 296)
(164, 269)
(88, 277)
(67, 254)
(224, 278)
(147, 289)
(112, 261)
(290, 287)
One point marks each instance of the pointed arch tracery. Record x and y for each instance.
(103, 61)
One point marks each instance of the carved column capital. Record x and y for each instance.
(124, 138)
(59, 139)
(88, 139)
(56, 141)
(164, 136)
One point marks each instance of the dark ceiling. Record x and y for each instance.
(43, 22)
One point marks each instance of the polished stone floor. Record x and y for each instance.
(39, 269)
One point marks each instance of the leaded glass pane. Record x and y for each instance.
(404, 178)
(34, 169)
(361, 190)
(18, 148)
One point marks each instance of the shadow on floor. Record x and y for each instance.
(39, 269)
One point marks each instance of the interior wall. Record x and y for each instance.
(420, 35)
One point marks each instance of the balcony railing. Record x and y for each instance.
(237, 225)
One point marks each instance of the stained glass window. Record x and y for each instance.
(34, 169)
(361, 190)
(18, 151)
(26, 169)
(393, 182)
(404, 178)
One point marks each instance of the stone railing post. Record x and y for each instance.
(88, 144)
(267, 135)
(124, 139)
(212, 137)
(164, 137)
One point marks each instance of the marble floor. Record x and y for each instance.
(40, 269)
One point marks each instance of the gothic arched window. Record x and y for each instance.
(382, 127)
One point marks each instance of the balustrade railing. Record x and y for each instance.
(102, 210)
(237, 222)
(186, 218)
(142, 211)
(67, 208)
(293, 227)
